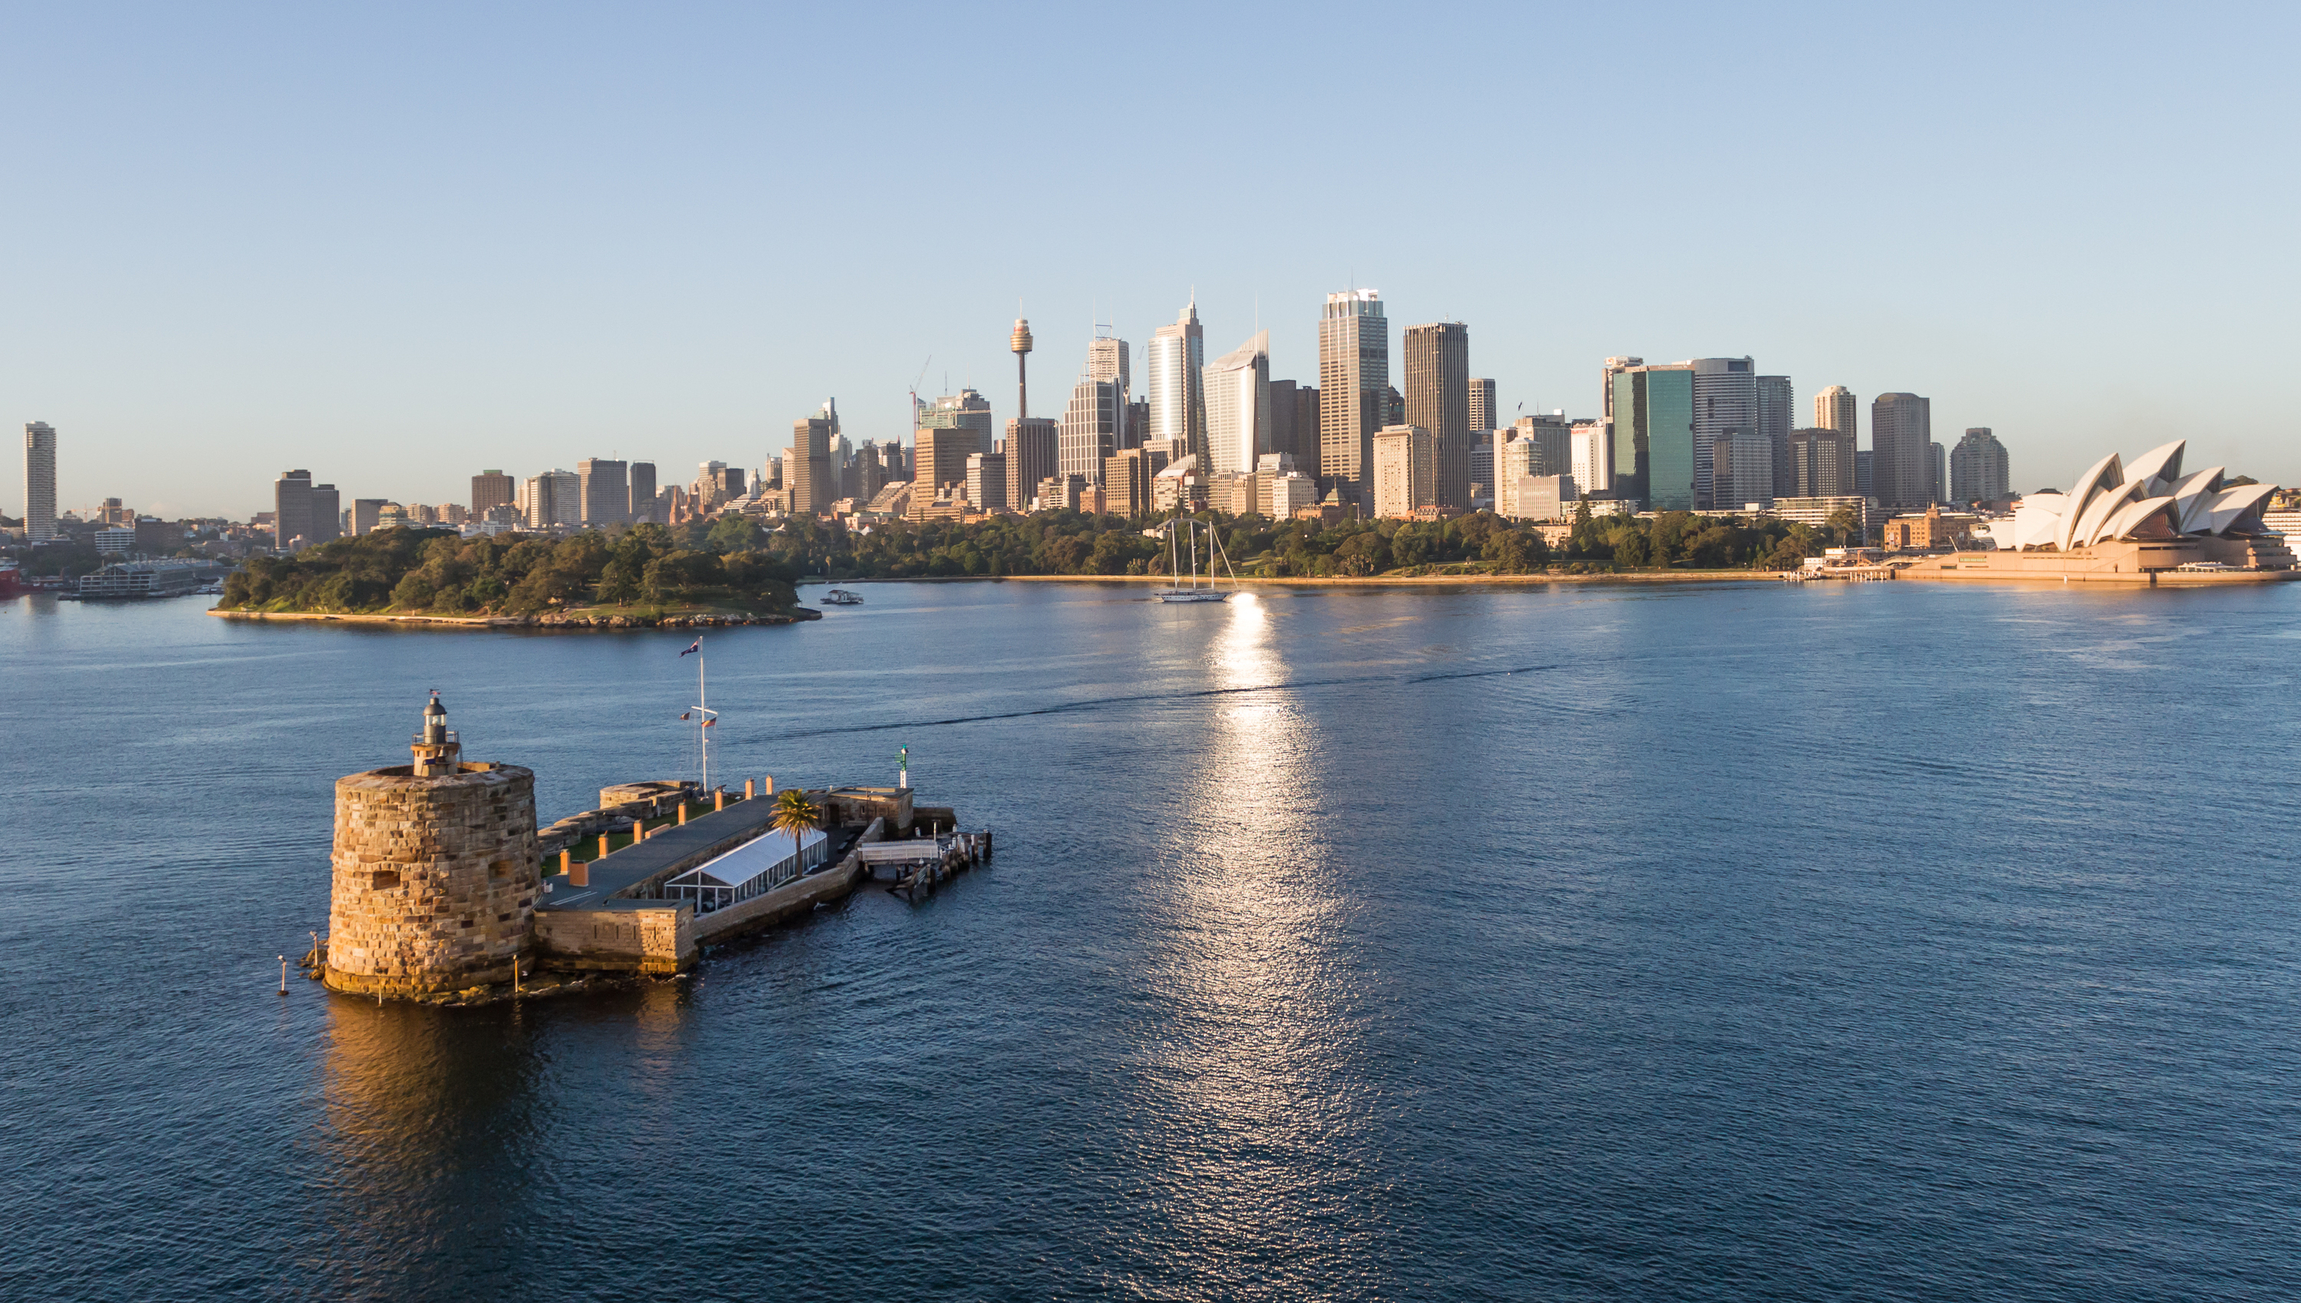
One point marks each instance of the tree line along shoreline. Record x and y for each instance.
(740, 566)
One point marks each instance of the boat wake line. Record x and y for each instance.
(1097, 703)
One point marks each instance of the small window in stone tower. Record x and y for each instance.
(385, 879)
(499, 869)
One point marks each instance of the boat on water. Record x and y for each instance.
(1194, 591)
(12, 581)
(842, 597)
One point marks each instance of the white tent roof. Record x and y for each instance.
(768, 851)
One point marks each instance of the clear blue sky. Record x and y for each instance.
(398, 244)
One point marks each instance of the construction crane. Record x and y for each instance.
(922, 378)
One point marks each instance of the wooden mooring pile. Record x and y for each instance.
(917, 864)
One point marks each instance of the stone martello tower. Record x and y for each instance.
(435, 872)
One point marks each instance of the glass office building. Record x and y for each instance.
(1654, 459)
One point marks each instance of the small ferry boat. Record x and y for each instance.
(842, 597)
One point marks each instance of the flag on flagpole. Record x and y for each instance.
(709, 722)
(696, 646)
(684, 714)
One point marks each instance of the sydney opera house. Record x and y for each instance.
(2142, 522)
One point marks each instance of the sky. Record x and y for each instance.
(397, 245)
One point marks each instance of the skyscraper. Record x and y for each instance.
(491, 488)
(965, 410)
(291, 510)
(39, 482)
(1033, 453)
(807, 473)
(1483, 414)
(1174, 367)
(1091, 428)
(1653, 424)
(1835, 409)
(1937, 473)
(327, 515)
(1776, 414)
(1238, 408)
(1282, 416)
(606, 491)
(1978, 469)
(643, 493)
(1353, 389)
(1591, 449)
(1901, 425)
(1305, 430)
(1725, 400)
(1405, 470)
(1107, 360)
(553, 499)
(1438, 400)
(987, 481)
(1822, 465)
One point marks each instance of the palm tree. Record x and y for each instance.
(795, 815)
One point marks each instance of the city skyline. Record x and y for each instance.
(459, 252)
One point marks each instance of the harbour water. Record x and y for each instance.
(1823, 942)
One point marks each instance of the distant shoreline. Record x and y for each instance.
(579, 624)
(1372, 581)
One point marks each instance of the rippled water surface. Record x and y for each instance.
(1845, 942)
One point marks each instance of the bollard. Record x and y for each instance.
(603, 846)
(719, 799)
(566, 858)
(750, 788)
(683, 814)
(767, 785)
(283, 974)
(579, 876)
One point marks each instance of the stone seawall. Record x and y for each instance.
(434, 880)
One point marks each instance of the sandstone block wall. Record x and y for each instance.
(656, 937)
(434, 879)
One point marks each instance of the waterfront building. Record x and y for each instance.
(367, 514)
(1653, 420)
(1438, 400)
(2137, 522)
(605, 488)
(1978, 470)
(1816, 512)
(1901, 427)
(291, 511)
(1236, 394)
(1180, 487)
(1551, 439)
(1405, 470)
(39, 481)
(1482, 466)
(1725, 400)
(115, 540)
(1835, 409)
(1821, 465)
(1353, 389)
(1863, 461)
(1484, 415)
(1530, 460)
(1937, 473)
(987, 481)
(1173, 370)
(1925, 531)
(1590, 447)
(491, 488)
(1091, 428)
(1742, 470)
(1776, 414)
